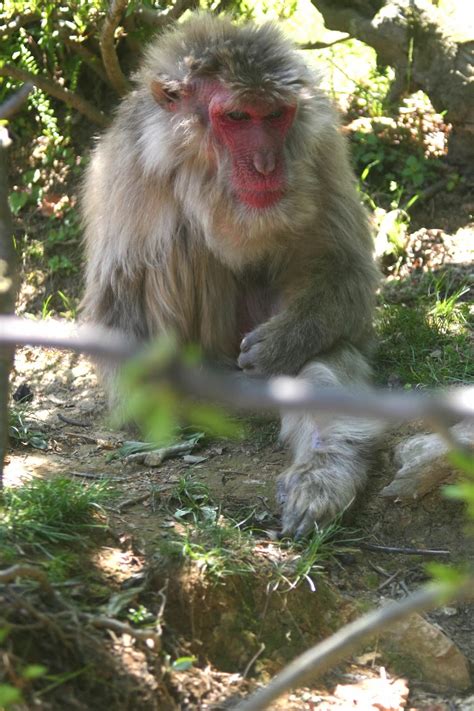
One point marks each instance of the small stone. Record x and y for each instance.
(423, 463)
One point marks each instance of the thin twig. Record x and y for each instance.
(326, 654)
(404, 551)
(108, 623)
(161, 18)
(59, 92)
(323, 45)
(71, 421)
(87, 56)
(13, 24)
(259, 651)
(388, 580)
(9, 575)
(79, 435)
(132, 501)
(13, 104)
(141, 497)
(107, 46)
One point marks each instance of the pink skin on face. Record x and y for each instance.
(254, 135)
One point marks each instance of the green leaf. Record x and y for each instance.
(9, 695)
(463, 461)
(446, 574)
(214, 420)
(17, 201)
(34, 671)
(183, 663)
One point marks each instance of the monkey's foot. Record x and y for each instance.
(313, 496)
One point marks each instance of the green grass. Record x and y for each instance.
(215, 543)
(426, 340)
(222, 543)
(51, 511)
(20, 430)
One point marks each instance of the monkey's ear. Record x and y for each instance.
(165, 94)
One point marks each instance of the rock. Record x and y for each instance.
(422, 651)
(423, 462)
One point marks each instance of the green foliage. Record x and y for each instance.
(391, 170)
(426, 341)
(321, 546)
(141, 616)
(221, 543)
(183, 664)
(158, 410)
(9, 695)
(370, 96)
(51, 510)
(21, 432)
(464, 489)
(214, 543)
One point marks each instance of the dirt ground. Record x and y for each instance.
(240, 629)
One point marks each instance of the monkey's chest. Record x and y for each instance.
(256, 304)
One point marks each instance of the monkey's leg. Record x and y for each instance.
(330, 455)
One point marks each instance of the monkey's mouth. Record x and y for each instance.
(260, 198)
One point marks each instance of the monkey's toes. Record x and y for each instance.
(308, 501)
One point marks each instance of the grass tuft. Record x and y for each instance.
(51, 510)
(426, 340)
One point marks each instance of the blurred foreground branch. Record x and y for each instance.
(441, 409)
(329, 652)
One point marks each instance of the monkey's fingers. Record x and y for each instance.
(251, 339)
(250, 355)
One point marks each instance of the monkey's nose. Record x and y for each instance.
(264, 162)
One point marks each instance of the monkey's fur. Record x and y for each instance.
(171, 245)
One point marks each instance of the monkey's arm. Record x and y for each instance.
(335, 304)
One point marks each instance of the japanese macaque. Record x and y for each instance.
(221, 205)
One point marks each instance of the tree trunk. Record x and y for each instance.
(415, 38)
(8, 282)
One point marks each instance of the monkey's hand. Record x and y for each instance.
(275, 348)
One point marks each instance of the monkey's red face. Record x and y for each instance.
(254, 135)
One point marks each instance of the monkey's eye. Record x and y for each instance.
(171, 95)
(278, 113)
(238, 115)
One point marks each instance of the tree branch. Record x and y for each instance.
(326, 654)
(323, 45)
(13, 24)
(107, 46)
(87, 56)
(59, 92)
(23, 570)
(11, 105)
(160, 19)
